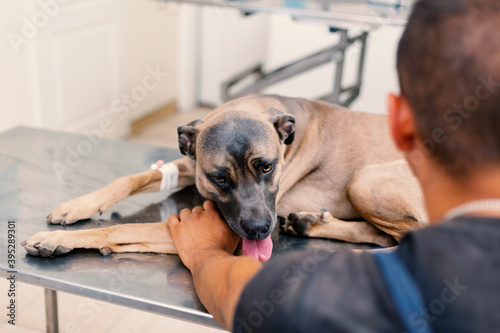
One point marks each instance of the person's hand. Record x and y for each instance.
(201, 232)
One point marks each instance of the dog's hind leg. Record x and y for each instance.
(389, 197)
(141, 237)
(324, 225)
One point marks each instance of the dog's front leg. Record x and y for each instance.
(86, 206)
(145, 237)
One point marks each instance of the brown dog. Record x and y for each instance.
(323, 170)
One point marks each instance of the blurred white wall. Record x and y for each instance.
(90, 56)
(380, 75)
(152, 41)
(67, 65)
(228, 49)
(16, 91)
(290, 40)
(229, 44)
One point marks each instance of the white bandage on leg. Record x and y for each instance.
(170, 174)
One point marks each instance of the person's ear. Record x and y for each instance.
(187, 138)
(402, 123)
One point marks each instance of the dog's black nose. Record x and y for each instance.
(256, 229)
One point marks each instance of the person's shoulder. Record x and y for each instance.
(317, 290)
(454, 258)
(450, 249)
(470, 231)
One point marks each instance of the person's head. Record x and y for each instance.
(448, 63)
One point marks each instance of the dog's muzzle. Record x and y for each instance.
(256, 229)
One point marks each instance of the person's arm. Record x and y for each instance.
(206, 245)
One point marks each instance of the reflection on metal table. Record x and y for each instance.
(40, 169)
(360, 16)
(339, 13)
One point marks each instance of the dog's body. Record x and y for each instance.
(338, 173)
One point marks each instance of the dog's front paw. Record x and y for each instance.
(77, 209)
(46, 244)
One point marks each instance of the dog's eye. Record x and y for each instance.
(267, 168)
(219, 180)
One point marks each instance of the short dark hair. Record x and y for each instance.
(448, 64)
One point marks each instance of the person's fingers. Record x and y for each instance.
(184, 213)
(173, 221)
(198, 209)
(209, 204)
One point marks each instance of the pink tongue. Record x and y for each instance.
(258, 249)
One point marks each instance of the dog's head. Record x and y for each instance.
(239, 156)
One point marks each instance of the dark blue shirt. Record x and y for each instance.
(455, 264)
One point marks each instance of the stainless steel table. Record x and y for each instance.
(31, 187)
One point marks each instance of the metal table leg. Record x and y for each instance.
(335, 53)
(51, 311)
(339, 70)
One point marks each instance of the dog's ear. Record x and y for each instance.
(187, 138)
(284, 123)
